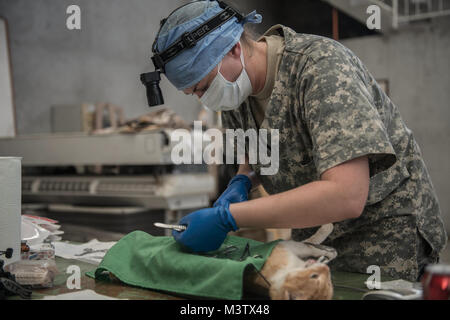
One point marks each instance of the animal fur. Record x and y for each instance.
(296, 270)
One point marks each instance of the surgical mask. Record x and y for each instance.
(224, 95)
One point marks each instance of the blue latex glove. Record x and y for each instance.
(206, 229)
(237, 191)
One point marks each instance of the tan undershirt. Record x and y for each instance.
(259, 102)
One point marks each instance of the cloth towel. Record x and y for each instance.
(160, 263)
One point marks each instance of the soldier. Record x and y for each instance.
(345, 155)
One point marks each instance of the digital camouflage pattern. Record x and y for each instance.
(329, 109)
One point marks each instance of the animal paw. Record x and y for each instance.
(309, 262)
(323, 259)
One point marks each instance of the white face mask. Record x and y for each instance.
(224, 95)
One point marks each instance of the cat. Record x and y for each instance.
(289, 273)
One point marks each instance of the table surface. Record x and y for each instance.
(347, 286)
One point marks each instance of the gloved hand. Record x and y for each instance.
(237, 191)
(206, 229)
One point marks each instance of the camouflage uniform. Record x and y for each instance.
(329, 109)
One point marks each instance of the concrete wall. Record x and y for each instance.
(100, 62)
(416, 62)
(52, 65)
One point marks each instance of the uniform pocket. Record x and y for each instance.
(306, 159)
(385, 182)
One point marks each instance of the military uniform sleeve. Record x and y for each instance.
(340, 114)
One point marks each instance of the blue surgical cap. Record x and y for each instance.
(193, 64)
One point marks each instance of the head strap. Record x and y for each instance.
(189, 39)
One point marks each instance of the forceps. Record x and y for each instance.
(175, 227)
(90, 250)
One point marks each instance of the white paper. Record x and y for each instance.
(32, 233)
(80, 295)
(397, 285)
(79, 251)
(10, 201)
(36, 229)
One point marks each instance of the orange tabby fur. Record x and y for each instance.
(312, 282)
(290, 276)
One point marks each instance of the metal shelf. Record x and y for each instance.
(84, 149)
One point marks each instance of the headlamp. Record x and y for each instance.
(151, 82)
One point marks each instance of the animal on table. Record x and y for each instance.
(296, 270)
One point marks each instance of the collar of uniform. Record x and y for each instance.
(276, 30)
(273, 50)
(280, 30)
